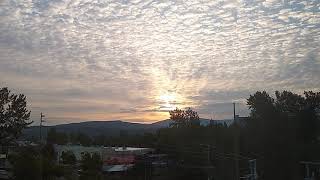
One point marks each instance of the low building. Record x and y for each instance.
(77, 150)
(114, 159)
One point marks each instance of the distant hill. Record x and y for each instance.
(108, 128)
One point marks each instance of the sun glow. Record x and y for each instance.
(168, 101)
(167, 97)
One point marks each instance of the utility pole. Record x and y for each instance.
(208, 158)
(40, 146)
(253, 169)
(236, 143)
(41, 120)
(234, 112)
(145, 169)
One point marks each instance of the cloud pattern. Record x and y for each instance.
(106, 59)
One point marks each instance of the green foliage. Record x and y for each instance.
(54, 137)
(91, 162)
(99, 140)
(188, 147)
(142, 169)
(287, 111)
(61, 138)
(184, 118)
(84, 139)
(139, 140)
(48, 152)
(26, 164)
(261, 104)
(14, 116)
(68, 157)
(34, 163)
(91, 165)
(282, 128)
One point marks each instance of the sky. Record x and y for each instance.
(133, 60)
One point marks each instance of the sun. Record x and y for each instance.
(168, 101)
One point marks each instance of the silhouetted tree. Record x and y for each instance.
(84, 139)
(311, 115)
(184, 118)
(14, 116)
(26, 164)
(283, 128)
(99, 140)
(91, 166)
(55, 137)
(29, 163)
(68, 157)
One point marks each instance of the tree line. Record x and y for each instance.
(79, 138)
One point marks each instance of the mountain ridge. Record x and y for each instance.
(109, 128)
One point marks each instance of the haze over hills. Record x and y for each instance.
(109, 128)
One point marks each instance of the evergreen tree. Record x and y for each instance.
(14, 116)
